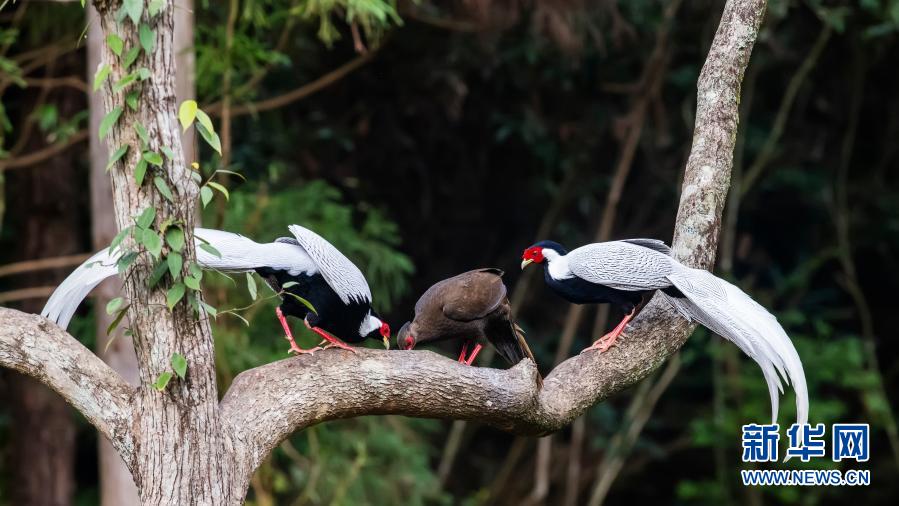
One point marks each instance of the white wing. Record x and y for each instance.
(621, 265)
(341, 274)
(239, 253)
(730, 313)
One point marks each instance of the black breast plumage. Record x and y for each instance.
(340, 319)
(579, 291)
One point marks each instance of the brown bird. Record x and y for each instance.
(467, 307)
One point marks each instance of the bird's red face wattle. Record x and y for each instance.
(534, 254)
(408, 343)
(385, 330)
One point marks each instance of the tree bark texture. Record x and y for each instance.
(183, 446)
(116, 484)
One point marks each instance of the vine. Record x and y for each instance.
(162, 239)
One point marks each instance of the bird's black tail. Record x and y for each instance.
(510, 343)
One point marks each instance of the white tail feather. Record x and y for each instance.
(729, 312)
(69, 294)
(238, 254)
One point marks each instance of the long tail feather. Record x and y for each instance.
(238, 253)
(69, 294)
(729, 312)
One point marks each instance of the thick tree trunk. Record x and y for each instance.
(116, 484)
(180, 456)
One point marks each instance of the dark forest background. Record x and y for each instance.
(462, 132)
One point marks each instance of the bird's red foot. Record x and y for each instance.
(300, 351)
(289, 336)
(474, 353)
(603, 343)
(333, 342)
(607, 341)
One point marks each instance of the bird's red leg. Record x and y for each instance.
(334, 342)
(474, 353)
(464, 351)
(289, 336)
(605, 342)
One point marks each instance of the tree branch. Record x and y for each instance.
(43, 153)
(33, 346)
(268, 403)
(300, 93)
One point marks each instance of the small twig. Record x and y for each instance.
(52, 82)
(358, 45)
(297, 94)
(842, 219)
(26, 293)
(786, 105)
(42, 264)
(621, 445)
(36, 157)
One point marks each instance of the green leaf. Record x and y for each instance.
(117, 240)
(131, 56)
(204, 120)
(192, 283)
(288, 285)
(115, 44)
(208, 248)
(131, 99)
(147, 37)
(150, 239)
(186, 113)
(251, 285)
(111, 118)
(168, 152)
(101, 75)
(209, 309)
(205, 195)
(119, 153)
(159, 271)
(114, 305)
(162, 381)
(211, 138)
(118, 319)
(195, 271)
(124, 82)
(166, 224)
(133, 8)
(174, 260)
(163, 188)
(142, 133)
(174, 295)
(179, 364)
(140, 171)
(302, 301)
(175, 237)
(154, 158)
(224, 171)
(125, 261)
(155, 7)
(221, 189)
(143, 73)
